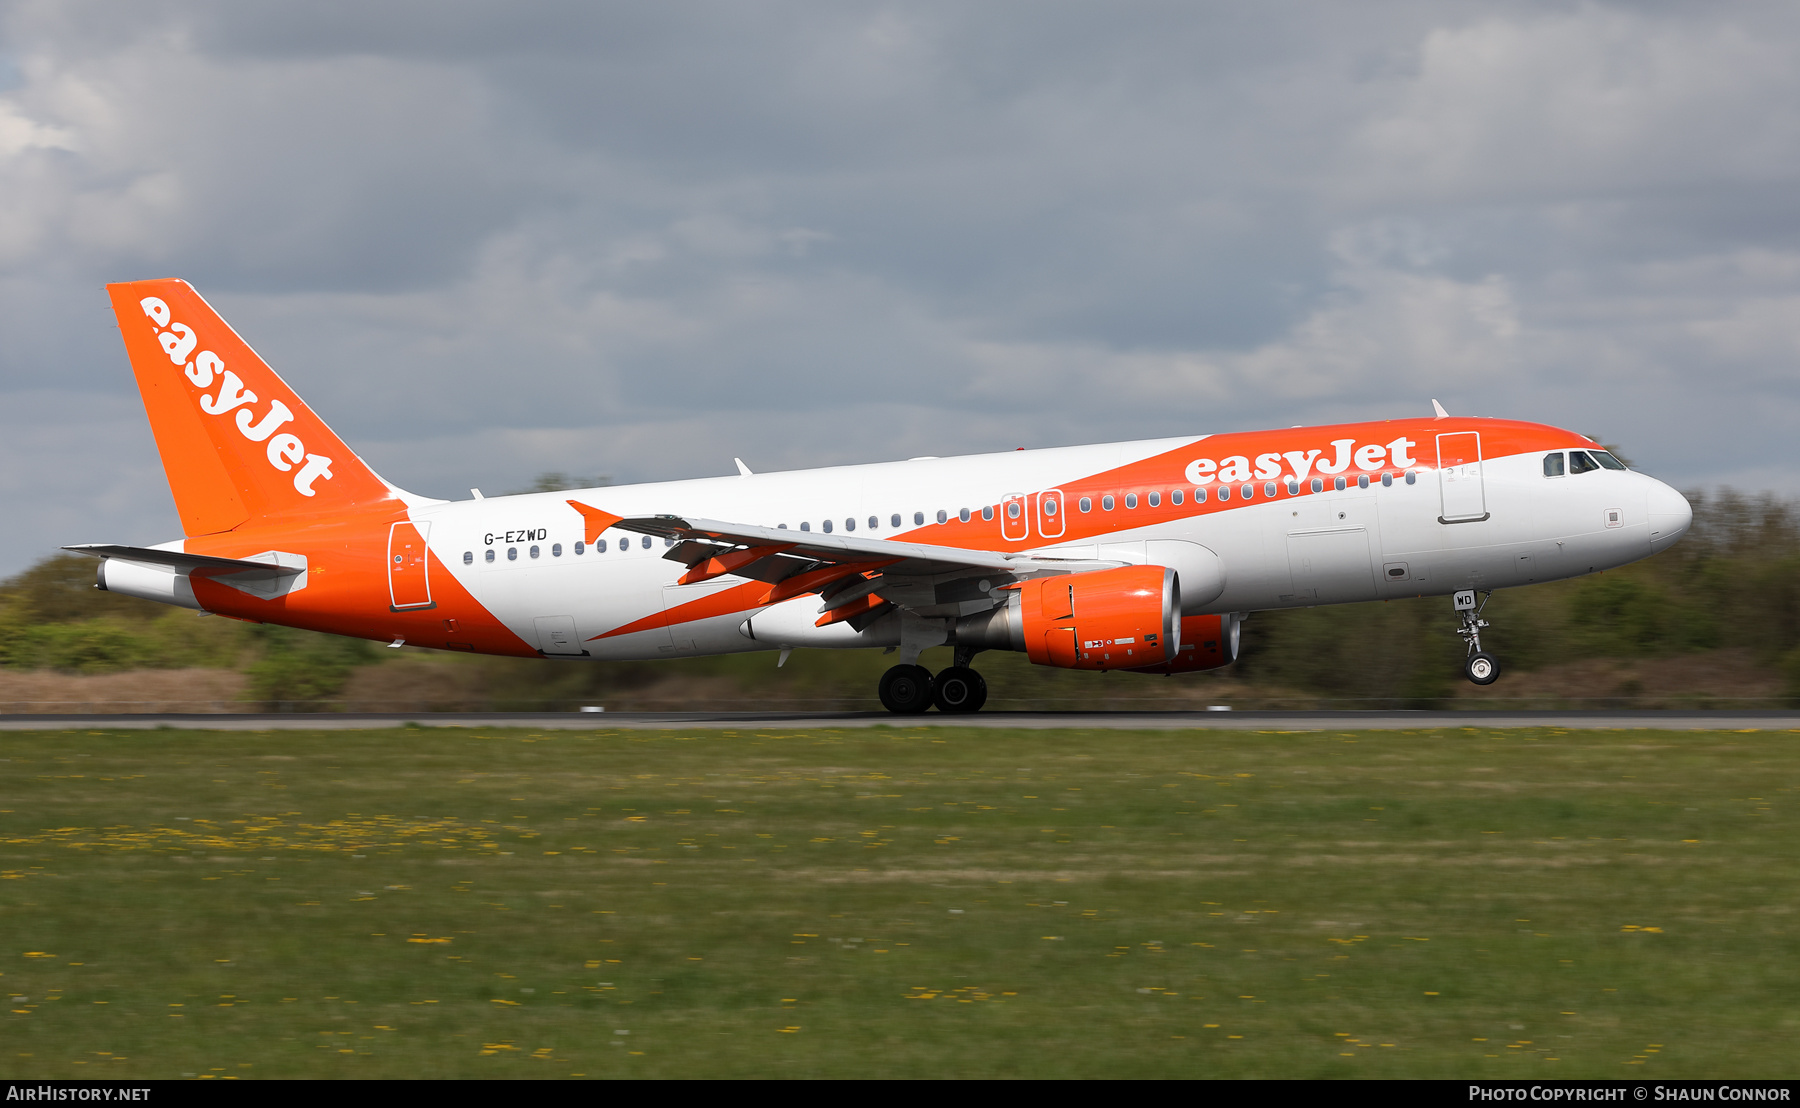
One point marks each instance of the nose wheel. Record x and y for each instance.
(1479, 667)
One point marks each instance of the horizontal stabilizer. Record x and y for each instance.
(188, 563)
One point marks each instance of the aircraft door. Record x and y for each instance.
(1015, 517)
(1459, 477)
(1050, 514)
(409, 577)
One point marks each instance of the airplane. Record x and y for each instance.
(1145, 557)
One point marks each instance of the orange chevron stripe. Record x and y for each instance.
(738, 598)
(743, 598)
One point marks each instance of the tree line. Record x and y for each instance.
(1732, 581)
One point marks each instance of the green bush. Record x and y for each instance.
(295, 668)
(88, 646)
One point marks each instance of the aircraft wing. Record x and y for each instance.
(899, 559)
(859, 578)
(184, 563)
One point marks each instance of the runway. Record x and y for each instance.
(1081, 721)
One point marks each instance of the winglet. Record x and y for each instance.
(1439, 409)
(597, 520)
(743, 470)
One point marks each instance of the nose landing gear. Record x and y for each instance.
(1480, 667)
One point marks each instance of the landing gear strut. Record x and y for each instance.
(1480, 667)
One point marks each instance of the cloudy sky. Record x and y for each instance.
(487, 241)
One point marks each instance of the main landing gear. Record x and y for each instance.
(910, 690)
(1480, 667)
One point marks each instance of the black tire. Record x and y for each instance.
(1482, 669)
(960, 689)
(906, 690)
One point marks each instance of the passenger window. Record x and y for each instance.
(599, 546)
(1387, 480)
(943, 516)
(1131, 500)
(534, 551)
(512, 553)
(1155, 499)
(556, 550)
(1318, 484)
(805, 526)
(1106, 503)
(1269, 488)
(918, 519)
(875, 522)
(1224, 493)
(1012, 509)
(825, 526)
(1248, 492)
(646, 542)
(1362, 480)
(1412, 475)
(1579, 462)
(849, 523)
(1293, 486)
(1607, 460)
(468, 557)
(1049, 503)
(1085, 504)
(963, 515)
(1175, 498)
(580, 547)
(490, 557)
(1553, 464)
(987, 512)
(1337, 483)
(1199, 496)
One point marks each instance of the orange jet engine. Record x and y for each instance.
(1207, 642)
(1119, 618)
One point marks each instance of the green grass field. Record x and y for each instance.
(895, 902)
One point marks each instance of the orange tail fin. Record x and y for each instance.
(236, 442)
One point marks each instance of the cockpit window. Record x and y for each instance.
(1607, 460)
(1579, 462)
(1553, 464)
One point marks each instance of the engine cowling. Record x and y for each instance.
(1207, 642)
(1120, 618)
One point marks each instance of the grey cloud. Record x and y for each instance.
(640, 239)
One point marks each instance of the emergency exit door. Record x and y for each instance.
(1459, 477)
(409, 574)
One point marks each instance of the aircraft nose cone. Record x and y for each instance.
(1670, 515)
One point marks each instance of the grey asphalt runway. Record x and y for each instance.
(1086, 721)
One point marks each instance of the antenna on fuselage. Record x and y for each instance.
(1439, 409)
(743, 470)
